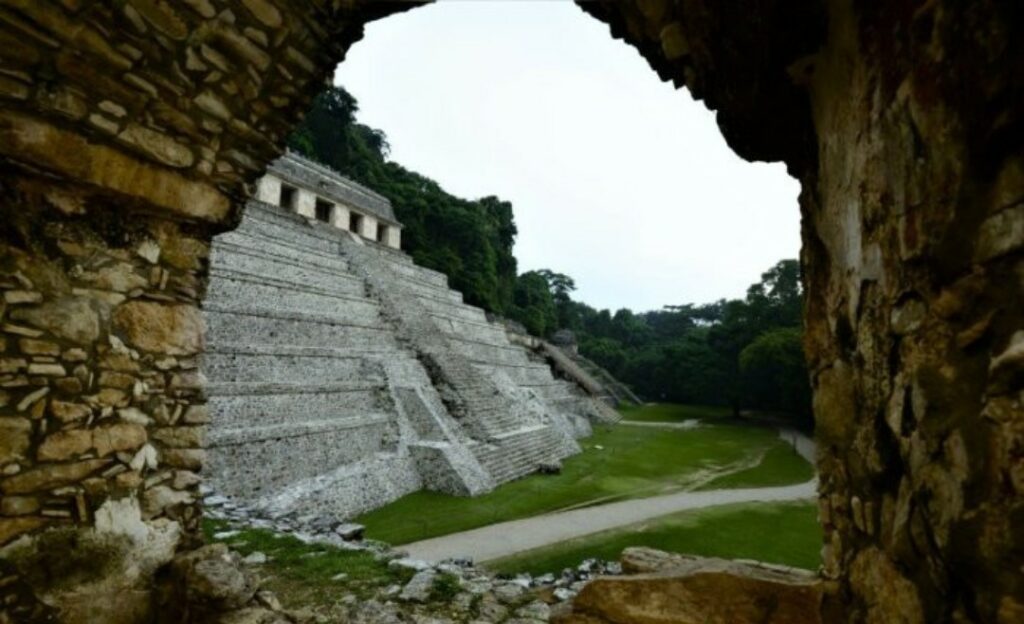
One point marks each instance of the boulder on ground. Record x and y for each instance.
(677, 589)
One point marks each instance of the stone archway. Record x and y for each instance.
(128, 133)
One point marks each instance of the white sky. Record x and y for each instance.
(616, 178)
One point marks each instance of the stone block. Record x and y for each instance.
(693, 590)
(70, 318)
(15, 438)
(11, 528)
(118, 437)
(172, 329)
(64, 445)
(47, 477)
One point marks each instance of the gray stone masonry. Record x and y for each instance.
(343, 376)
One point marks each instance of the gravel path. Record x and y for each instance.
(508, 538)
(686, 424)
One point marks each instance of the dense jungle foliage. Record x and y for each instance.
(744, 353)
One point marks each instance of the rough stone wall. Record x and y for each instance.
(914, 249)
(177, 104)
(122, 123)
(903, 122)
(101, 406)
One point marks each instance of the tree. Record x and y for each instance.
(774, 374)
(533, 305)
(561, 287)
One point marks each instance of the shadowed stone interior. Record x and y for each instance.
(129, 132)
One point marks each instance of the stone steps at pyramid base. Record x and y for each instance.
(521, 453)
(348, 490)
(252, 463)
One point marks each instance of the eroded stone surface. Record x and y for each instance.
(676, 589)
(901, 122)
(900, 133)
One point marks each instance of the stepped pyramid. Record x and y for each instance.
(343, 376)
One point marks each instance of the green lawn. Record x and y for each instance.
(303, 574)
(785, 533)
(781, 465)
(671, 412)
(634, 462)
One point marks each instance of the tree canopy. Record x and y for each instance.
(744, 353)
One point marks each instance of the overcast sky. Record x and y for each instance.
(616, 178)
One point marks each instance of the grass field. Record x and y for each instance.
(302, 574)
(781, 465)
(673, 413)
(785, 533)
(617, 463)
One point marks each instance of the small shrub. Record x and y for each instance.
(446, 586)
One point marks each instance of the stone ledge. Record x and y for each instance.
(677, 589)
(234, 437)
(71, 155)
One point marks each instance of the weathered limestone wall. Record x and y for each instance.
(914, 248)
(903, 124)
(128, 132)
(101, 406)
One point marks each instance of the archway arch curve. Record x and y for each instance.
(899, 122)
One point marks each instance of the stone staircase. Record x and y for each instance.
(518, 453)
(514, 431)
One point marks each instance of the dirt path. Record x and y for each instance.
(508, 538)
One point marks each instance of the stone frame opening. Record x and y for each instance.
(902, 122)
(324, 210)
(382, 233)
(289, 197)
(355, 222)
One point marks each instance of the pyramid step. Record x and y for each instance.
(251, 261)
(297, 329)
(281, 250)
(521, 374)
(479, 352)
(284, 227)
(230, 289)
(242, 405)
(262, 460)
(288, 365)
(471, 330)
(427, 289)
(417, 272)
